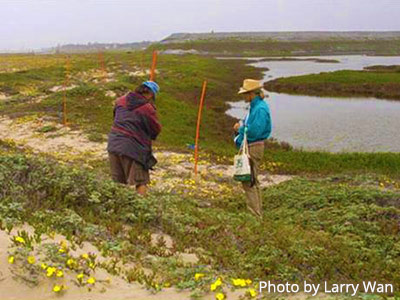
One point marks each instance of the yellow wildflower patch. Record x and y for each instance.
(11, 259)
(252, 292)
(31, 260)
(60, 273)
(239, 282)
(197, 276)
(220, 296)
(218, 282)
(20, 240)
(58, 288)
(70, 262)
(51, 271)
(91, 280)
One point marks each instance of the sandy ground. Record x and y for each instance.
(118, 288)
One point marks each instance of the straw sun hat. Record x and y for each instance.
(250, 85)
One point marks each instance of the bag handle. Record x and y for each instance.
(245, 146)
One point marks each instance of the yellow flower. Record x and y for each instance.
(213, 287)
(85, 256)
(197, 276)
(239, 282)
(91, 265)
(220, 296)
(57, 288)
(63, 244)
(51, 271)
(218, 282)
(61, 250)
(31, 260)
(43, 266)
(252, 292)
(248, 281)
(11, 259)
(20, 240)
(70, 262)
(60, 273)
(79, 276)
(91, 280)
(167, 284)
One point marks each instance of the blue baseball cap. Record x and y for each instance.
(152, 86)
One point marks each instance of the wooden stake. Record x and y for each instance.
(196, 146)
(153, 66)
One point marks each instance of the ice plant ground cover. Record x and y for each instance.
(314, 228)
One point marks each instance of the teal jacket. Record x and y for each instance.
(258, 122)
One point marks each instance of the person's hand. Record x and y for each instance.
(236, 127)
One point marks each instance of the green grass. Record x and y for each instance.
(313, 162)
(377, 82)
(345, 77)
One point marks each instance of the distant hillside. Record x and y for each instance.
(74, 48)
(282, 43)
(300, 36)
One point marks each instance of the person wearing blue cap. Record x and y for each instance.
(134, 128)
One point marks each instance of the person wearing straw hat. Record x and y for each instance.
(257, 124)
(130, 141)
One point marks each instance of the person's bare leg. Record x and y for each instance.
(141, 189)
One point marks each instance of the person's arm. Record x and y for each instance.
(260, 121)
(154, 125)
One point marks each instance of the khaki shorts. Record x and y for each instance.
(127, 171)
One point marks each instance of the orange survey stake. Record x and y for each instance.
(153, 66)
(196, 147)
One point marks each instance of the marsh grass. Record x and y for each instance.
(377, 81)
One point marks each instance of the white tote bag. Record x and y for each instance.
(241, 162)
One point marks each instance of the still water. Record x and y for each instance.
(330, 124)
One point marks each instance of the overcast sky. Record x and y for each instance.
(27, 24)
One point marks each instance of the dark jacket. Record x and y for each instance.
(135, 126)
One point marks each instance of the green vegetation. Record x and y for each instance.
(237, 47)
(180, 79)
(375, 81)
(337, 221)
(340, 229)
